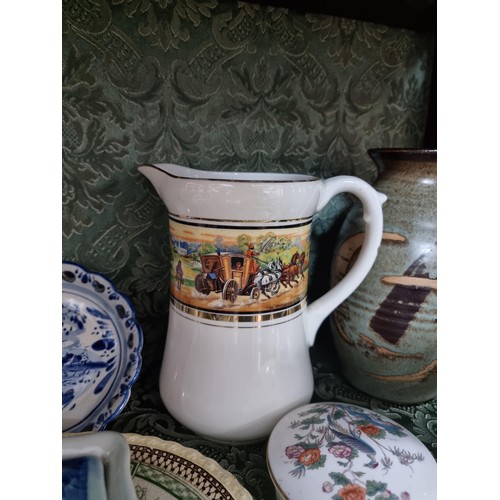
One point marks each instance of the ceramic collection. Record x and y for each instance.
(385, 333)
(236, 365)
(240, 327)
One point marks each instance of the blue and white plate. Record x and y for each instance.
(101, 349)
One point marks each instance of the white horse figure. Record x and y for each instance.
(268, 279)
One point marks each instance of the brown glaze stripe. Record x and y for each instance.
(200, 314)
(418, 376)
(410, 281)
(404, 154)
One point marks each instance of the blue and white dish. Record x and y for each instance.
(83, 478)
(96, 466)
(101, 349)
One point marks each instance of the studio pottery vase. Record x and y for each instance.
(385, 333)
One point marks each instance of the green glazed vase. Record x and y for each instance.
(385, 333)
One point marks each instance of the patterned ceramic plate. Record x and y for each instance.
(165, 470)
(101, 350)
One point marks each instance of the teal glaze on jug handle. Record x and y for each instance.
(372, 202)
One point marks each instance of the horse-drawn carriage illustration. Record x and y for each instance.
(251, 271)
(234, 274)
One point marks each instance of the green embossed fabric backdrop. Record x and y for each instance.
(221, 86)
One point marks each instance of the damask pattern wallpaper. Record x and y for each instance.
(218, 86)
(215, 85)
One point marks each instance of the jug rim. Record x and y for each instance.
(188, 173)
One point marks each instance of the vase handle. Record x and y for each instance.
(372, 202)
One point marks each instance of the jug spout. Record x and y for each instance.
(245, 196)
(154, 174)
(162, 179)
(180, 188)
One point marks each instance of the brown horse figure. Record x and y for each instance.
(294, 270)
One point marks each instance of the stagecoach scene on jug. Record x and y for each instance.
(244, 272)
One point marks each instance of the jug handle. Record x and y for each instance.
(372, 202)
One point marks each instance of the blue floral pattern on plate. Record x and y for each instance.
(101, 349)
(83, 479)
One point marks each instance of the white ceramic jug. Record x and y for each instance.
(237, 349)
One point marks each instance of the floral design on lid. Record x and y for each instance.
(355, 448)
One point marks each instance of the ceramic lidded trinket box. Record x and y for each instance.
(342, 451)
